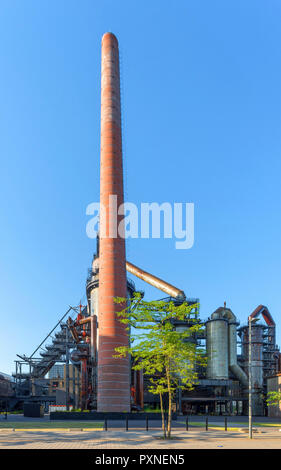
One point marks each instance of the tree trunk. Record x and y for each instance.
(163, 416)
(170, 402)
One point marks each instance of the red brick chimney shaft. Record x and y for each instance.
(113, 374)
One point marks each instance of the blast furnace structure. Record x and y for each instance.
(88, 337)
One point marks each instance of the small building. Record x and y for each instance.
(274, 385)
(58, 384)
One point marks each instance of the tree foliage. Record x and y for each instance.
(273, 398)
(168, 355)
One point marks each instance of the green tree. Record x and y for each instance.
(273, 398)
(168, 356)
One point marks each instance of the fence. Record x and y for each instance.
(205, 424)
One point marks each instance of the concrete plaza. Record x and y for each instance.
(195, 438)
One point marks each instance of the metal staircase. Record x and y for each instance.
(31, 371)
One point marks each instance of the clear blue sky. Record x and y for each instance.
(201, 110)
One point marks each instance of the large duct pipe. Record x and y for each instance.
(155, 281)
(113, 374)
(232, 347)
(233, 366)
(146, 277)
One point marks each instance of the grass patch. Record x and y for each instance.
(152, 410)
(267, 424)
(51, 425)
(262, 425)
(238, 425)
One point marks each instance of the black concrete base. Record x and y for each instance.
(98, 416)
(33, 410)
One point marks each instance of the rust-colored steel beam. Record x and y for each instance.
(155, 281)
(85, 320)
(84, 383)
(93, 337)
(73, 330)
(113, 374)
(261, 309)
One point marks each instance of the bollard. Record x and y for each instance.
(225, 423)
(105, 424)
(186, 424)
(127, 423)
(207, 423)
(146, 422)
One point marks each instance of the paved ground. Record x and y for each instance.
(268, 436)
(195, 439)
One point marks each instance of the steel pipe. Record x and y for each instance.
(155, 281)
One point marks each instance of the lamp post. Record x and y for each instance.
(251, 320)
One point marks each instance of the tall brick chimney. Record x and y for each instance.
(113, 374)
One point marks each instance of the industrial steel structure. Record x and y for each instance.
(265, 360)
(222, 387)
(86, 336)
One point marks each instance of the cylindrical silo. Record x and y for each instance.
(217, 347)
